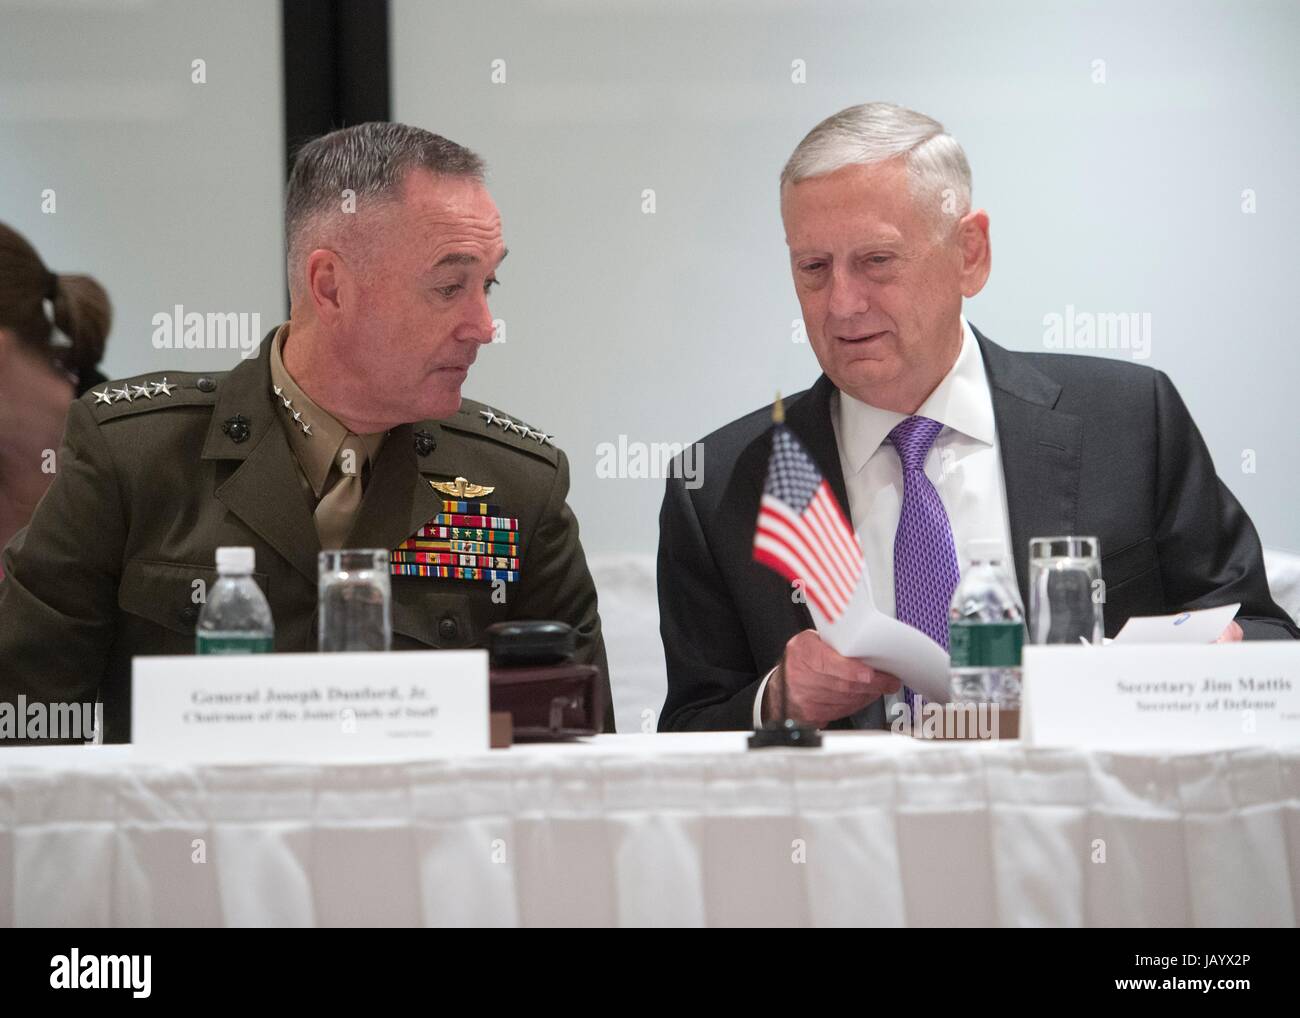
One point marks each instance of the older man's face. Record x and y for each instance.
(422, 304)
(880, 294)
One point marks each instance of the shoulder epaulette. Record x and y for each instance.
(476, 418)
(153, 391)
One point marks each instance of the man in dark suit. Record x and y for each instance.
(931, 435)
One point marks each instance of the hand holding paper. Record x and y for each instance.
(817, 685)
(881, 641)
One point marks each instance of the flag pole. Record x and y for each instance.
(787, 732)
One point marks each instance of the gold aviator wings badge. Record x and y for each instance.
(461, 488)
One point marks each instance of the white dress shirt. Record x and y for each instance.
(964, 464)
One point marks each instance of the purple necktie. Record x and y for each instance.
(925, 558)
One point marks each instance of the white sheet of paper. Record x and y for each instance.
(1203, 626)
(883, 642)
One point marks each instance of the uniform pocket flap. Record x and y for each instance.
(169, 594)
(434, 619)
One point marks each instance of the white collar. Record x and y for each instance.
(961, 402)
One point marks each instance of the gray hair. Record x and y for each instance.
(371, 160)
(875, 132)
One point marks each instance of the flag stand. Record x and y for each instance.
(789, 734)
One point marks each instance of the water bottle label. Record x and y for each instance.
(985, 644)
(234, 644)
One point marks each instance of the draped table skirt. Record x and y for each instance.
(658, 830)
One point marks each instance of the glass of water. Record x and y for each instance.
(1065, 590)
(355, 600)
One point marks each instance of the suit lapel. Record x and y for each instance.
(1040, 449)
(266, 494)
(398, 500)
(264, 490)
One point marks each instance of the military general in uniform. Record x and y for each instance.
(347, 430)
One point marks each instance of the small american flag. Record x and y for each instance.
(802, 533)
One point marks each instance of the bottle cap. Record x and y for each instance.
(235, 560)
(984, 549)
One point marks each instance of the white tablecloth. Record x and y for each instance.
(658, 830)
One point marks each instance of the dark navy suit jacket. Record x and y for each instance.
(1089, 446)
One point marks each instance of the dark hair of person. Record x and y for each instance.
(79, 307)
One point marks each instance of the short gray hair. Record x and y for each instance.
(371, 160)
(875, 132)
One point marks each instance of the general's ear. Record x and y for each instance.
(326, 278)
(976, 251)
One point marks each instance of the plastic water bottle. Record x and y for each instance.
(986, 631)
(236, 618)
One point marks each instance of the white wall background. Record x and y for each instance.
(1115, 197)
(167, 192)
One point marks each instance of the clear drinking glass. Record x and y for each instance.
(355, 600)
(1065, 590)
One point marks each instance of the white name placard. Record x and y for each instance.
(310, 707)
(1154, 697)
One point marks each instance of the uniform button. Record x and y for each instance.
(206, 384)
(448, 629)
(190, 614)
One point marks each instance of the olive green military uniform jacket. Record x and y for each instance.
(147, 489)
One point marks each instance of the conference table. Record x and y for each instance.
(658, 830)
